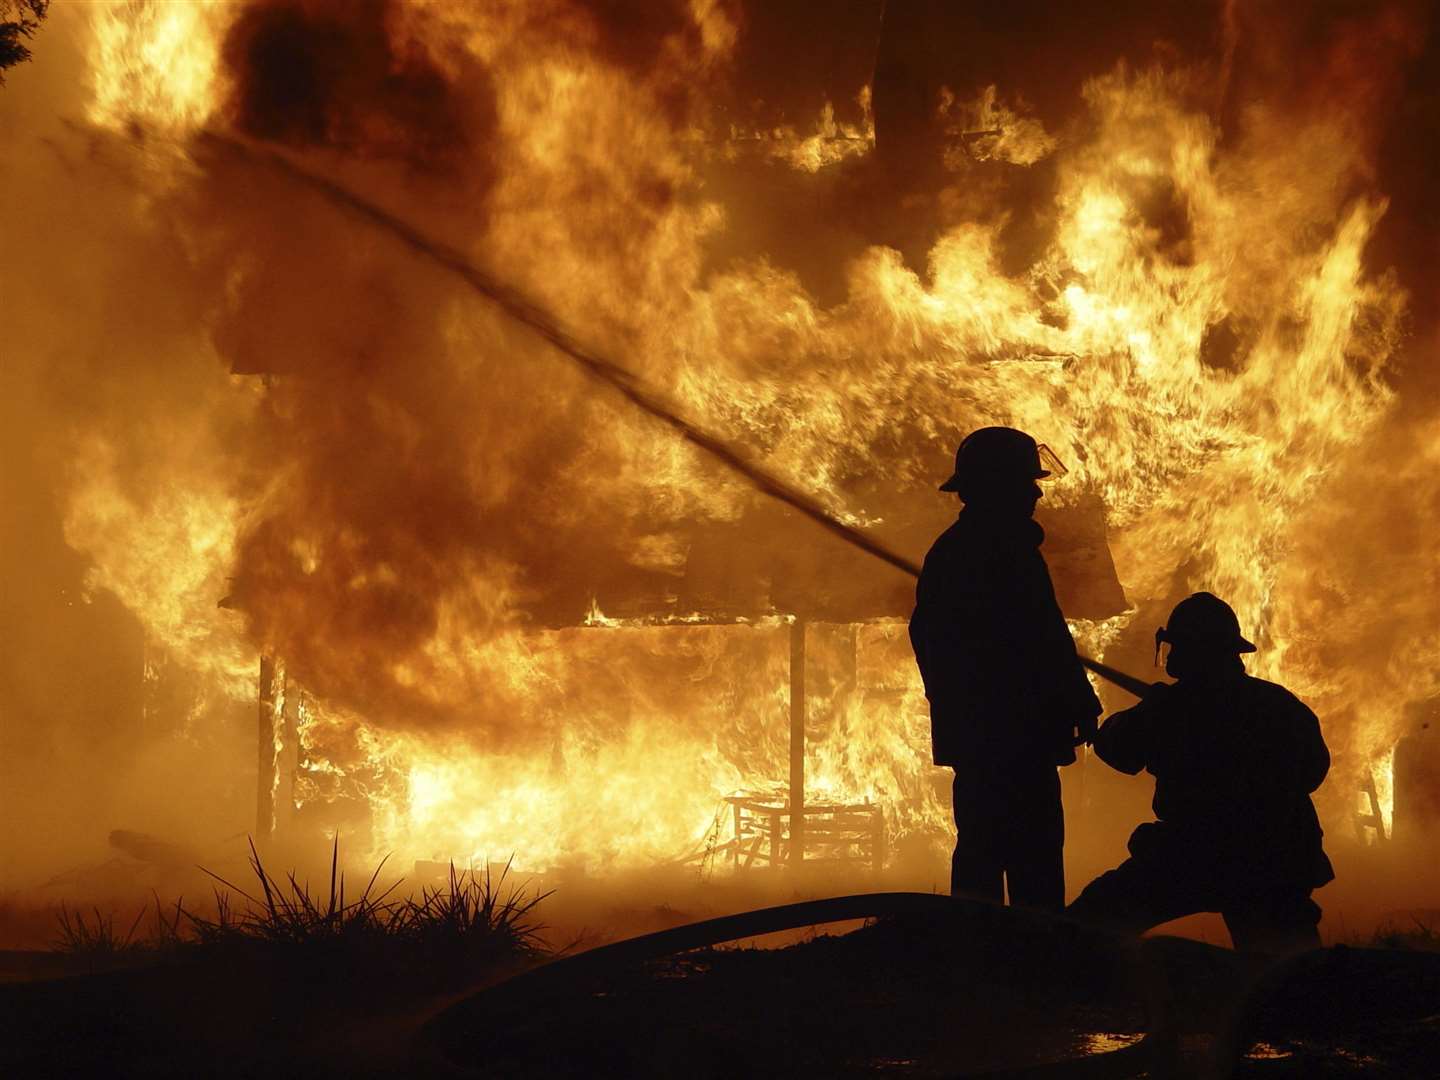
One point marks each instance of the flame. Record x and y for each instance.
(608, 726)
(156, 64)
(989, 130)
(1385, 790)
(167, 553)
(830, 143)
(468, 734)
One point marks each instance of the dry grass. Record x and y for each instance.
(79, 935)
(473, 924)
(1418, 934)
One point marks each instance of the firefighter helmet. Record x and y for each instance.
(1203, 619)
(1001, 453)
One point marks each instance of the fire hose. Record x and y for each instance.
(448, 1038)
(530, 314)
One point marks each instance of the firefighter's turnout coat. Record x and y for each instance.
(1235, 759)
(999, 665)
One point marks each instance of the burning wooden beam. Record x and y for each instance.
(278, 748)
(265, 744)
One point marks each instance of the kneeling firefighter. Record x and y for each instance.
(1235, 759)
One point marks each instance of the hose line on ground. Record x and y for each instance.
(451, 1034)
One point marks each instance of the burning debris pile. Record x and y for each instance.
(486, 605)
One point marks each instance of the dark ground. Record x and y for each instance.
(899, 998)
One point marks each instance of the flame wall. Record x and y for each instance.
(1194, 255)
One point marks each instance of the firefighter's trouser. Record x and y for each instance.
(1009, 831)
(1139, 894)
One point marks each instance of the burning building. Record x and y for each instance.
(501, 609)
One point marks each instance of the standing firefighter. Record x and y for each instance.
(1008, 698)
(1235, 759)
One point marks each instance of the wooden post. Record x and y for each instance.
(265, 764)
(879, 839)
(277, 759)
(735, 851)
(797, 742)
(287, 752)
(1374, 818)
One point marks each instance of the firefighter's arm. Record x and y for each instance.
(1083, 706)
(945, 634)
(1062, 688)
(926, 626)
(1124, 740)
(1312, 755)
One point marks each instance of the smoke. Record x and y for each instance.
(311, 75)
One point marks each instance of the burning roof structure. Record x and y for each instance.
(504, 609)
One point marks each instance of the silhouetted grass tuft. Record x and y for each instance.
(80, 936)
(466, 929)
(1420, 935)
(477, 917)
(287, 914)
(93, 939)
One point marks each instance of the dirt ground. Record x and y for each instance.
(922, 997)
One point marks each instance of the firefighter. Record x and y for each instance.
(1008, 699)
(1235, 759)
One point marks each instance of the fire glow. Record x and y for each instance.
(400, 492)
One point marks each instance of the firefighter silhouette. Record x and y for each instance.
(1008, 699)
(1235, 759)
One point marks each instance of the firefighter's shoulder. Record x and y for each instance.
(1272, 694)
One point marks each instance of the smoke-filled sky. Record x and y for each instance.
(1192, 247)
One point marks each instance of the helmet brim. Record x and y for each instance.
(1239, 644)
(953, 484)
